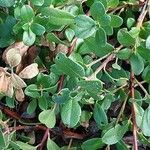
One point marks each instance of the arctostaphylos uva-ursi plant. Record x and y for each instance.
(74, 74)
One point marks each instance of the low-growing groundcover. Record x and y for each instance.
(74, 74)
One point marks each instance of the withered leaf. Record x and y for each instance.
(3, 83)
(17, 82)
(30, 71)
(18, 45)
(10, 89)
(13, 57)
(19, 94)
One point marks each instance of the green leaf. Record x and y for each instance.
(148, 42)
(32, 106)
(115, 134)
(130, 22)
(42, 101)
(62, 96)
(121, 145)
(113, 3)
(116, 21)
(37, 29)
(146, 74)
(89, 85)
(32, 91)
(99, 51)
(37, 2)
(48, 118)
(51, 145)
(143, 139)
(57, 16)
(69, 34)
(25, 146)
(84, 26)
(97, 10)
(138, 114)
(125, 38)
(145, 127)
(28, 37)
(100, 37)
(70, 113)
(26, 13)
(124, 53)
(51, 37)
(137, 63)
(93, 144)
(2, 140)
(7, 3)
(68, 66)
(144, 52)
(100, 115)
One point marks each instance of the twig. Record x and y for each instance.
(142, 87)
(96, 61)
(70, 49)
(70, 143)
(132, 78)
(133, 112)
(108, 59)
(37, 127)
(41, 145)
(121, 111)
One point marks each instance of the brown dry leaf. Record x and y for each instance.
(10, 89)
(28, 58)
(18, 45)
(13, 57)
(3, 83)
(61, 48)
(30, 71)
(19, 94)
(17, 82)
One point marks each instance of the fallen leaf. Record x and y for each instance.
(17, 82)
(19, 94)
(10, 89)
(27, 58)
(13, 57)
(18, 45)
(3, 83)
(30, 71)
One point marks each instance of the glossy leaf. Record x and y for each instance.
(7, 3)
(26, 13)
(37, 2)
(68, 66)
(55, 15)
(25, 146)
(70, 113)
(28, 37)
(100, 115)
(38, 29)
(94, 144)
(125, 38)
(48, 118)
(136, 60)
(100, 37)
(84, 26)
(32, 91)
(114, 134)
(51, 145)
(146, 122)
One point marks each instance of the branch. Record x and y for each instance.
(132, 78)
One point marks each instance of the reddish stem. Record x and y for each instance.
(44, 139)
(133, 111)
